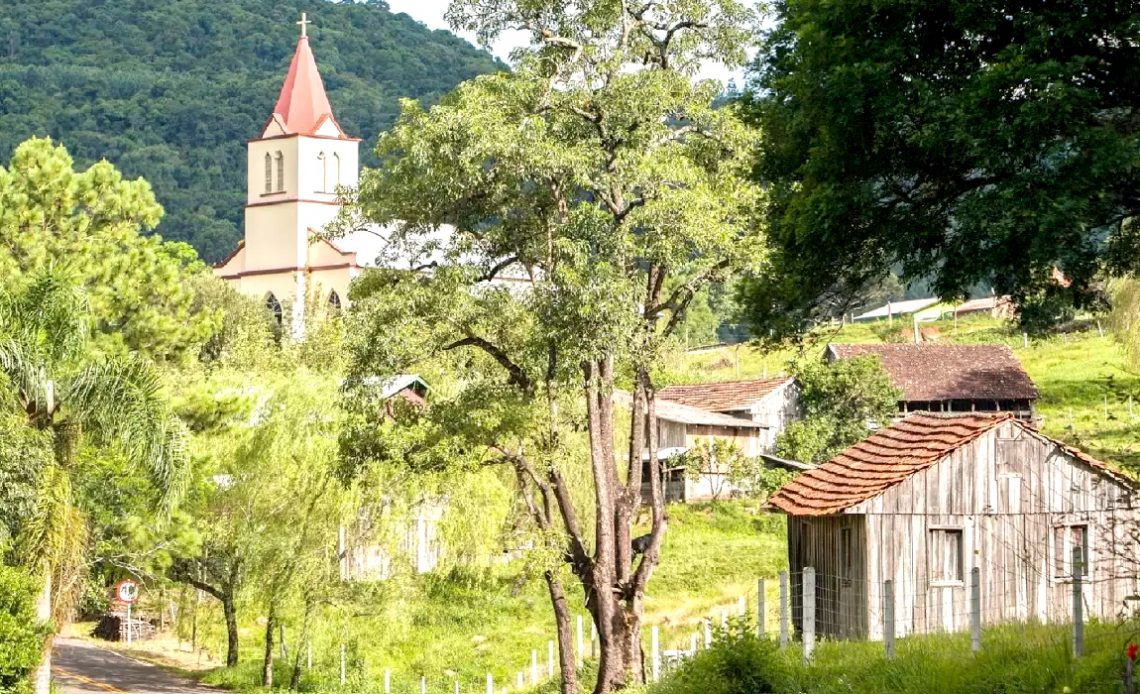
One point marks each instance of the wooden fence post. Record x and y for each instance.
(456, 686)
(533, 667)
(889, 617)
(387, 681)
(692, 644)
(655, 649)
(490, 684)
(809, 613)
(976, 609)
(521, 680)
(1078, 604)
(581, 642)
(741, 606)
(783, 609)
(761, 617)
(708, 634)
(423, 684)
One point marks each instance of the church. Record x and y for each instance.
(294, 168)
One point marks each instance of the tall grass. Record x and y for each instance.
(1015, 659)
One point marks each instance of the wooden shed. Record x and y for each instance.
(924, 501)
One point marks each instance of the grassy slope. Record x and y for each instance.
(463, 625)
(1075, 373)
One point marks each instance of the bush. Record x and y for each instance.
(21, 637)
(737, 663)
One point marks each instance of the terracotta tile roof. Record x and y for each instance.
(927, 372)
(891, 455)
(723, 397)
(880, 461)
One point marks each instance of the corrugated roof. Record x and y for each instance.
(726, 396)
(676, 412)
(926, 372)
(896, 308)
(891, 455)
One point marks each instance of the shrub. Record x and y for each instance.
(21, 637)
(737, 663)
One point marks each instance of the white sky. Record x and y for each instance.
(430, 12)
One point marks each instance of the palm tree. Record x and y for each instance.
(78, 402)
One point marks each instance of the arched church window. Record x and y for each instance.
(280, 172)
(268, 173)
(336, 172)
(334, 301)
(324, 172)
(274, 307)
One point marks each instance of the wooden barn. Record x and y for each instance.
(951, 378)
(925, 500)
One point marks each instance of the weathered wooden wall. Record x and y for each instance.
(836, 547)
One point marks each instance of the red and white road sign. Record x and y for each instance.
(127, 591)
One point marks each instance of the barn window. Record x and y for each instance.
(1065, 539)
(946, 555)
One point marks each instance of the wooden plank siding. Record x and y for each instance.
(1003, 501)
(836, 547)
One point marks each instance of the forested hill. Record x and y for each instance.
(171, 89)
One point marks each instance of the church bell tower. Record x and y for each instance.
(294, 168)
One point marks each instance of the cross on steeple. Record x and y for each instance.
(304, 23)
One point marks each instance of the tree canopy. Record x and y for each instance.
(964, 141)
(172, 90)
(90, 224)
(840, 403)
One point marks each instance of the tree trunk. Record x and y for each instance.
(302, 642)
(230, 612)
(267, 665)
(42, 676)
(566, 661)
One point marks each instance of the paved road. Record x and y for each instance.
(81, 668)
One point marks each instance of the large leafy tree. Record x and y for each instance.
(608, 186)
(93, 222)
(959, 141)
(81, 405)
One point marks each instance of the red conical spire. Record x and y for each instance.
(303, 104)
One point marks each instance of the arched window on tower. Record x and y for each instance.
(274, 307)
(335, 172)
(334, 302)
(268, 173)
(324, 172)
(280, 171)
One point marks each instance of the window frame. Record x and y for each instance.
(1063, 556)
(957, 532)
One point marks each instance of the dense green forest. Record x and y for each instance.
(171, 90)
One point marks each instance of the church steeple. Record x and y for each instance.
(303, 107)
